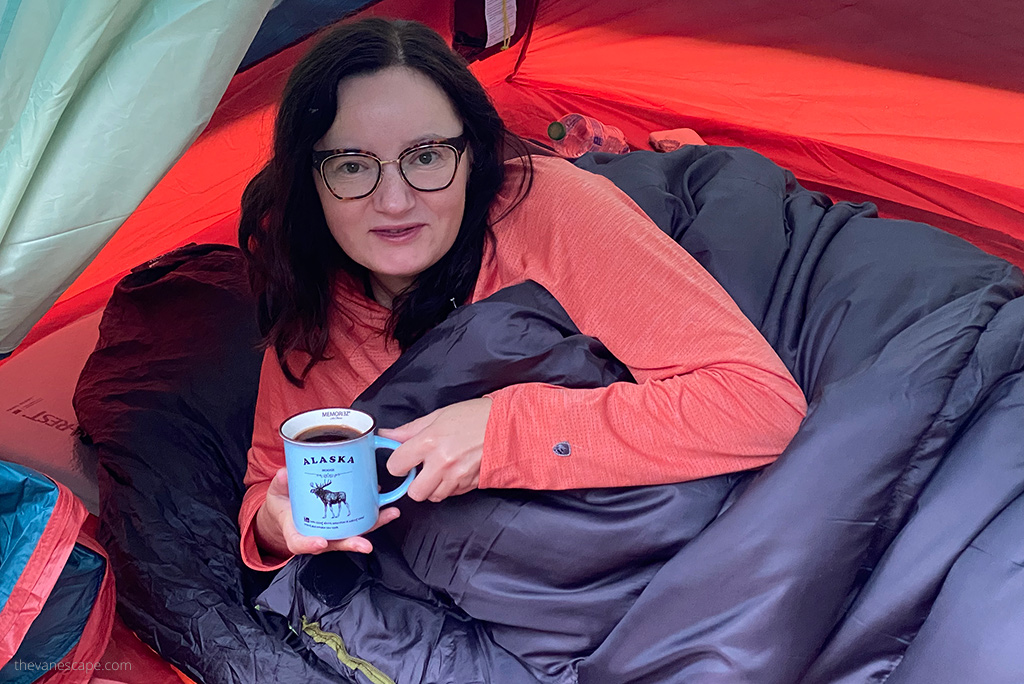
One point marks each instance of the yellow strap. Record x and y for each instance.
(508, 36)
(335, 642)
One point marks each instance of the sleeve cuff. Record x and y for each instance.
(492, 462)
(518, 459)
(251, 554)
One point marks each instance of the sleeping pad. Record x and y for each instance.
(882, 545)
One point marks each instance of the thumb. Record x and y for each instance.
(404, 433)
(279, 485)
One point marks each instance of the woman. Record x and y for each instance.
(386, 204)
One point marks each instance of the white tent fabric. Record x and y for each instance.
(98, 99)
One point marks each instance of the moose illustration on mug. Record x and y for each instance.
(330, 499)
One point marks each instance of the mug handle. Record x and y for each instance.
(395, 494)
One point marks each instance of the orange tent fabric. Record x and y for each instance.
(865, 100)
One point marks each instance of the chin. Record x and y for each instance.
(398, 274)
(409, 271)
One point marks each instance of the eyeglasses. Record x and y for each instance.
(429, 167)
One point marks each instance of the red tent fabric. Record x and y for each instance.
(866, 100)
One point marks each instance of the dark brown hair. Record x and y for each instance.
(291, 255)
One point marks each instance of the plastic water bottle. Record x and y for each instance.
(575, 134)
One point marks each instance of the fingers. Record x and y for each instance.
(443, 490)
(406, 432)
(448, 444)
(425, 484)
(411, 454)
(361, 544)
(438, 483)
(444, 471)
(406, 457)
(297, 542)
(353, 544)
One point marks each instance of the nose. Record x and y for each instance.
(393, 195)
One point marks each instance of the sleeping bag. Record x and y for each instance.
(881, 545)
(56, 588)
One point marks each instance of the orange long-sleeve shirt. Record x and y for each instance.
(711, 395)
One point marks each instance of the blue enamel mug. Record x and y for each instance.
(331, 458)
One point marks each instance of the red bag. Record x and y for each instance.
(56, 588)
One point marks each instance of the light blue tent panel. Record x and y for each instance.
(98, 99)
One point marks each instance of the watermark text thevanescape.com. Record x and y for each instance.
(70, 666)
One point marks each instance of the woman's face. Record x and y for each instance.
(397, 232)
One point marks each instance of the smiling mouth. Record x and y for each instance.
(396, 233)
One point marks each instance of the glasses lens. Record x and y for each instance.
(350, 175)
(430, 167)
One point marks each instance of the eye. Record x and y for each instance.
(347, 166)
(427, 157)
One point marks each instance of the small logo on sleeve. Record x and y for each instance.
(562, 449)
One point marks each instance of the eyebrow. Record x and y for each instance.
(422, 140)
(428, 138)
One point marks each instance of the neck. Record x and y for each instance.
(385, 290)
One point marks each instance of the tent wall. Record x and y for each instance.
(875, 100)
(85, 89)
(292, 20)
(871, 100)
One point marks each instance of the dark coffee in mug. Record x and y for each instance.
(327, 433)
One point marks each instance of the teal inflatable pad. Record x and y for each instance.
(27, 501)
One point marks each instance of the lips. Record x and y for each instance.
(398, 233)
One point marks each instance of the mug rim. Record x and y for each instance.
(366, 433)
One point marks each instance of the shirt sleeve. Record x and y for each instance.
(711, 395)
(277, 400)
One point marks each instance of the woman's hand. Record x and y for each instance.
(276, 534)
(449, 444)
